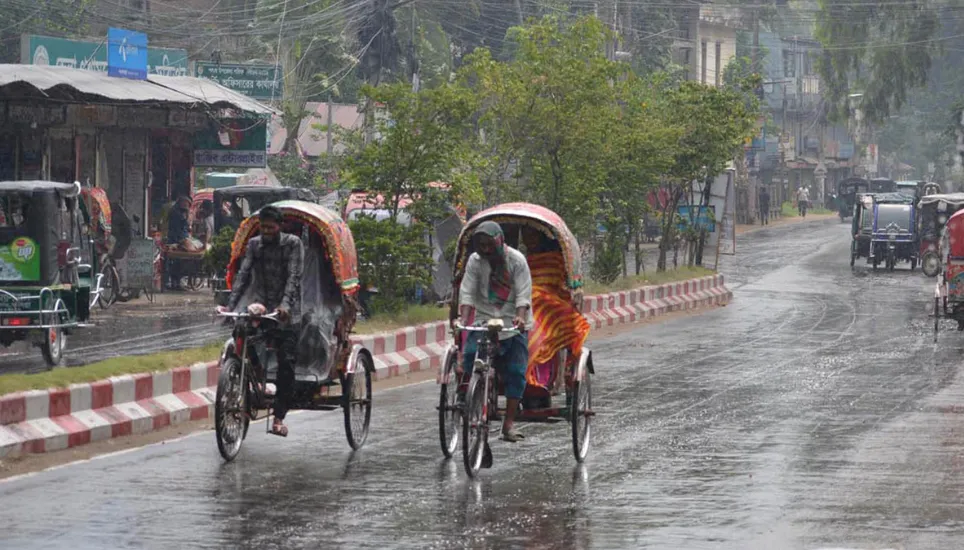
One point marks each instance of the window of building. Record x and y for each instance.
(719, 64)
(703, 63)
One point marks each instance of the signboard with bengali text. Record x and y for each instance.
(255, 81)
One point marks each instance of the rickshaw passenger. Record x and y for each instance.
(557, 324)
(277, 261)
(497, 285)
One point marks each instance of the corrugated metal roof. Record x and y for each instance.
(47, 77)
(185, 90)
(210, 92)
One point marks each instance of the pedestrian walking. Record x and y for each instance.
(764, 206)
(803, 200)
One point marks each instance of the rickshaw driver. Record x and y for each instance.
(498, 285)
(278, 259)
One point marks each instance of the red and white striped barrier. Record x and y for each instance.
(50, 420)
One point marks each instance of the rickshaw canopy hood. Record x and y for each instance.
(954, 231)
(339, 243)
(531, 215)
(66, 189)
(952, 199)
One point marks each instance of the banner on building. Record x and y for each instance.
(126, 54)
(255, 81)
(92, 56)
(239, 143)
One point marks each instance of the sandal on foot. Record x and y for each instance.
(280, 431)
(512, 436)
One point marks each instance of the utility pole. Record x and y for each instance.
(755, 53)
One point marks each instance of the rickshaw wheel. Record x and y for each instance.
(580, 418)
(111, 282)
(230, 427)
(475, 429)
(52, 346)
(448, 417)
(194, 282)
(357, 402)
(930, 264)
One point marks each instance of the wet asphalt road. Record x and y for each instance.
(134, 328)
(813, 412)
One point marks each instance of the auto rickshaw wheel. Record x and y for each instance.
(52, 346)
(357, 402)
(449, 415)
(230, 418)
(930, 264)
(580, 410)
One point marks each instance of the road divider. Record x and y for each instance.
(50, 420)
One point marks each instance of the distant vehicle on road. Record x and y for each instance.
(884, 230)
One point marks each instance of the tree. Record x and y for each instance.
(53, 17)
(312, 58)
(548, 112)
(879, 48)
(715, 123)
(422, 140)
(642, 150)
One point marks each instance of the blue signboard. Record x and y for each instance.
(126, 54)
(699, 216)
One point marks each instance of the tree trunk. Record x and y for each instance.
(637, 254)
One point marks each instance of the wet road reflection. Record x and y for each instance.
(813, 412)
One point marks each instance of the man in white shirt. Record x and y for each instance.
(497, 285)
(803, 200)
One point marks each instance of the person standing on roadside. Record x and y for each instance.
(764, 206)
(803, 200)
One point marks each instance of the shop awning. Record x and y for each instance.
(69, 84)
(210, 92)
(75, 84)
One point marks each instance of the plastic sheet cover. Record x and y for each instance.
(321, 307)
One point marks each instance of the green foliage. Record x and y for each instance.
(607, 266)
(422, 139)
(879, 48)
(294, 171)
(67, 18)
(548, 112)
(392, 258)
(217, 257)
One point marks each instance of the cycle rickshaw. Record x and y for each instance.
(560, 368)
(325, 355)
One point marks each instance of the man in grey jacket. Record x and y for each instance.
(274, 262)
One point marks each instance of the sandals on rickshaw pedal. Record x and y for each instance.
(280, 431)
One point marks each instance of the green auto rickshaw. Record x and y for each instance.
(46, 266)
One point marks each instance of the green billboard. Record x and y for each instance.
(256, 81)
(92, 56)
(238, 143)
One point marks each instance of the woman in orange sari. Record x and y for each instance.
(558, 325)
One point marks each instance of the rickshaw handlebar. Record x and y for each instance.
(477, 328)
(273, 316)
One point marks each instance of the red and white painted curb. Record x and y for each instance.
(50, 420)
